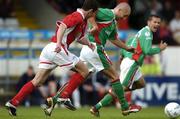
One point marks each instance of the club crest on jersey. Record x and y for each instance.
(147, 34)
(108, 32)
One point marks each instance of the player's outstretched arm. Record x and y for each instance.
(92, 21)
(60, 33)
(148, 50)
(162, 45)
(85, 41)
(120, 44)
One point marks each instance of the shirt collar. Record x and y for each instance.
(113, 13)
(78, 10)
(147, 27)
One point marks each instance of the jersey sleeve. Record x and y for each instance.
(84, 31)
(146, 44)
(72, 19)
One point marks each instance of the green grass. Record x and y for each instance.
(83, 113)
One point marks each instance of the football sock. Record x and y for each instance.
(118, 90)
(25, 90)
(104, 102)
(75, 81)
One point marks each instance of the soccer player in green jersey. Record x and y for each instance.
(130, 75)
(107, 30)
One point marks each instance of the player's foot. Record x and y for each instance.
(50, 102)
(94, 112)
(67, 103)
(49, 106)
(11, 109)
(132, 109)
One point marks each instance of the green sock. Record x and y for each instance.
(56, 97)
(105, 101)
(118, 90)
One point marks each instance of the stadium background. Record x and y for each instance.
(27, 25)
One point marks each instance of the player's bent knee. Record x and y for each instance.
(112, 76)
(142, 85)
(84, 73)
(126, 89)
(37, 82)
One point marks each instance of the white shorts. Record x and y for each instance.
(91, 57)
(129, 72)
(50, 59)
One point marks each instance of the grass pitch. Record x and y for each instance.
(83, 113)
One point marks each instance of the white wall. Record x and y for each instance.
(171, 61)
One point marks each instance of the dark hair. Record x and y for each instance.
(90, 4)
(30, 67)
(153, 15)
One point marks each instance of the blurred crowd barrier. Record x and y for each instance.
(21, 48)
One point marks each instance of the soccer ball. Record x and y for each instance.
(172, 110)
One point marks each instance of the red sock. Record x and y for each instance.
(25, 90)
(75, 81)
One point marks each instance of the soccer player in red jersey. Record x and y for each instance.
(56, 53)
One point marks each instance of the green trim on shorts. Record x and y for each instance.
(130, 74)
(105, 62)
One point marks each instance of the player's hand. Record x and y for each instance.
(162, 45)
(131, 49)
(58, 48)
(93, 30)
(92, 46)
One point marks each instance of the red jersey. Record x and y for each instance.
(76, 27)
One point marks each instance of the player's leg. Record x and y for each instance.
(66, 91)
(136, 81)
(81, 72)
(110, 96)
(130, 75)
(117, 88)
(140, 83)
(106, 100)
(110, 72)
(45, 67)
(26, 90)
(119, 93)
(75, 80)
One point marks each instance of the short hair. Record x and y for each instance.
(153, 15)
(30, 67)
(90, 4)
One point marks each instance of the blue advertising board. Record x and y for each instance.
(159, 91)
(47, 34)
(25, 34)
